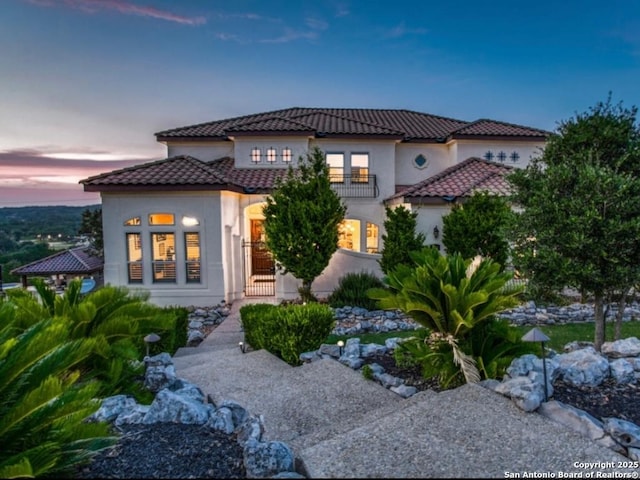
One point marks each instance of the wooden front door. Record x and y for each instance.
(261, 260)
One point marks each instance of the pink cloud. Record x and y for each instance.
(28, 177)
(124, 7)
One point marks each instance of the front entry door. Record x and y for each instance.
(261, 260)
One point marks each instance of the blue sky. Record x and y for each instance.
(86, 82)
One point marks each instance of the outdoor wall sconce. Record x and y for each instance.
(151, 338)
(340, 345)
(535, 335)
(241, 345)
(436, 232)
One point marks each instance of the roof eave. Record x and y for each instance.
(519, 138)
(192, 138)
(159, 188)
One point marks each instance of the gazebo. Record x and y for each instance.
(75, 262)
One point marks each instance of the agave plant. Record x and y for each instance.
(43, 402)
(450, 296)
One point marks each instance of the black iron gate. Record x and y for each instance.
(259, 270)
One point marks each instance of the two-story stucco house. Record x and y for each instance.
(189, 228)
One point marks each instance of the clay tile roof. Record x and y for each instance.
(270, 124)
(189, 172)
(407, 125)
(485, 127)
(76, 260)
(180, 170)
(461, 180)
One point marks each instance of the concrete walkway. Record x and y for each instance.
(341, 425)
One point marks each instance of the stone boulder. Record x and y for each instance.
(584, 367)
(628, 347)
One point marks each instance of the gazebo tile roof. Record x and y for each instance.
(76, 260)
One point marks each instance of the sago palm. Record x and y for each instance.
(450, 296)
(43, 405)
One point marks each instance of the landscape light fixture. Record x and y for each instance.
(151, 338)
(340, 345)
(241, 345)
(535, 335)
(436, 232)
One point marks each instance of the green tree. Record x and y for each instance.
(479, 227)
(580, 223)
(400, 238)
(302, 216)
(92, 227)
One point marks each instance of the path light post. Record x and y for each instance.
(535, 335)
(340, 345)
(151, 338)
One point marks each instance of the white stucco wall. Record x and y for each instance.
(439, 157)
(478, 148)
(342, 263)
(117, 208)
(243, 145)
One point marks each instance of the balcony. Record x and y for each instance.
(354, 186)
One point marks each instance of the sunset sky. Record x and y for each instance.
(84, 84)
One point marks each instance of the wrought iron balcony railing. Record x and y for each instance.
(354, 186)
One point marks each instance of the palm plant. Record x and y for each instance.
(450, 297)
(119, 317)
(43, 405)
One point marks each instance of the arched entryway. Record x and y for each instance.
(258, 263)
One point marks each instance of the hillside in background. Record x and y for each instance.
(31, 233)
(51, 223)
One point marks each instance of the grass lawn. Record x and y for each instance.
(559, 335)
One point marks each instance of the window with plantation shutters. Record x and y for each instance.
(192, 248)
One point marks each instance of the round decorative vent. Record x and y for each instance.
(420, 161)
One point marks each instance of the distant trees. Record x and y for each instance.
(92, 227)
(580, 223)
(302, 216)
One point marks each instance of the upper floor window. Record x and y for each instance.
(161, 219)
(514, 157)
(502, 156)
(271, 155)
(286, 155)
(256, 153)
(360, 167)
(488, 155)
(336, 167)
(132, 221)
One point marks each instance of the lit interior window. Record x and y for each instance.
(255, 155)
(161, 219)
(372, 238)
(360, 167)
(190, 221)
(349, 235)
(336, 167)
(134, 257)
(286, 155)
(132, 221)
(271, 155)
(192, 242)
(163, 248)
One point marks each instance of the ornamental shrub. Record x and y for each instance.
(352, 290)
(287, 331)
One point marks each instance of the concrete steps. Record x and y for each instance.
(341, 425)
